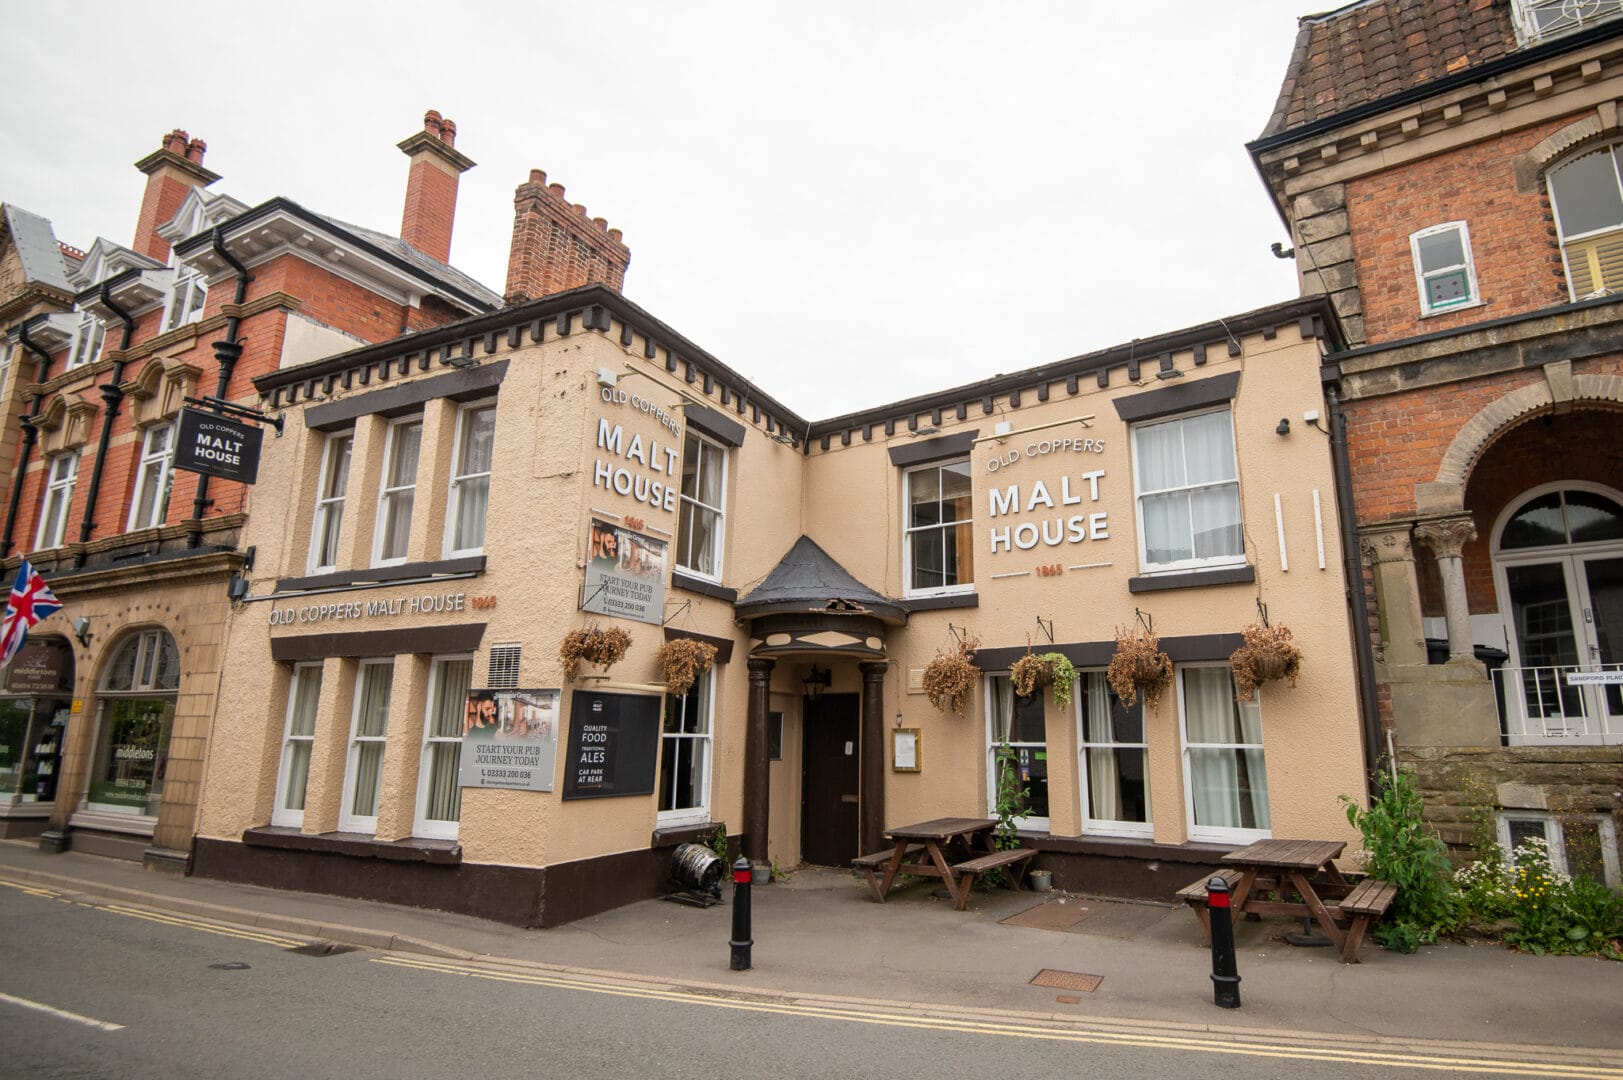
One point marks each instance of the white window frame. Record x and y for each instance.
(88, 340)
(1213, 833)
(188, 291)
(164, 460)
(144, 684)
(380, 533)
(1038, 823)
(718, 535)
(909, 530)
(348, 820)
(299, 693)
(8, 356)
(705, 740)
(1556, 838)
(61, 474)
(1423, 274)
(1213, 562)
(1531, 29)
(330, 503)
(1091, 824)
(459, 479)
(425, 826)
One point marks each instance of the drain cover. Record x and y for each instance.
(1067, 980)
(323, 948)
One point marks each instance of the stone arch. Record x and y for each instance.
(1531, 166)
(1446, 493)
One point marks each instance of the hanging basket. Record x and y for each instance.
(1033, 671)
(1268, 655)
(592, 645)
(1139, 667)
(682, 660)
(951, 676)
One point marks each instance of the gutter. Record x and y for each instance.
(30, 433)
(226, 351)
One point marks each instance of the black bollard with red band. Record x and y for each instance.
(741, 915)
(1225, 976)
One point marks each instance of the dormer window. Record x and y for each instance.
(87, 342)
(1540, 20)
(185, 298)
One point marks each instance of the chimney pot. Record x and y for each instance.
(615, 234)
(431, 121)
(175, 142)
(556, 189)
(195, 151)
(448, 131)
(601, 223)
(537, 176)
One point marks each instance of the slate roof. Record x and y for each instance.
(442, 272)
(1370, 50)
(807, 579)
(36, 246)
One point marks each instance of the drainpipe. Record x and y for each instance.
(112, 395)
(30, 433)
(1368, 702)
(226, 351)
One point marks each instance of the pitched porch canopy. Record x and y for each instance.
(811, 604)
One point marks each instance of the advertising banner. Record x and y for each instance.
(613, 745)
(211, 444)
(510, 739)
(625, 574)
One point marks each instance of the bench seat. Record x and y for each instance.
(968, 870)
(872, 865)
(1367, 902)
(1194, 894)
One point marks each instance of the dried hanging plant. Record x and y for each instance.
(682, 660)
(1034, 671)
(1139, 666)
(593, 645)
(951, 676)
(1268, 654)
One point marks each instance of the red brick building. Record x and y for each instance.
(1450, 174)
(104, 720)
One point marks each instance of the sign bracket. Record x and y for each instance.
(231, 408)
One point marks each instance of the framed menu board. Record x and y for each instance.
(613, 745)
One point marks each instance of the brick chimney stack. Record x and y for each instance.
(557, 247)
(172, 171)
(436, 169)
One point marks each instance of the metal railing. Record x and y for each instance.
(1571, 703)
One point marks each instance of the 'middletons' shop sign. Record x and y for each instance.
(210, 444)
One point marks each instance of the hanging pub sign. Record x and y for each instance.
(211, 444)
(625, 574)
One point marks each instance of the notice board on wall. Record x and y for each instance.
(613, 745)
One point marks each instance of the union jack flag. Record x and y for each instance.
(31, 600)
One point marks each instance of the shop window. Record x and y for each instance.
(1188, 493)
(185, 304)
(60, 473)
(439, 791)
(1587, 197)
(303, 700)
(684, 758)
(700, 529)
(330, 492)
(1226, 779)
(470, 479)
(938, 553)
(1017, 733)
(87, 341)
(1115, 759)
(363, 769)
(1443, 268)
(152, 478)
(1580, 845)
(399, 494)
(135, 713)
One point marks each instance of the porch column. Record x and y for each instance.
(756, 767)
(1389, 553)
(1447, 537)
(872, 829)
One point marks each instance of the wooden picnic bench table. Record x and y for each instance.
(956, 850)
(1298, 878)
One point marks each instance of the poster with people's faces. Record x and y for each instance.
(625, 573)
(510, 739)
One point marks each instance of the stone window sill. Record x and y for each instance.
(356, 845)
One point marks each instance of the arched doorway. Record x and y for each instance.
(1558, 571)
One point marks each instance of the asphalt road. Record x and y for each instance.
(111, 991)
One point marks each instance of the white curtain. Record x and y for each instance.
(301, 728)
(371, 722)
(445, 734)
(1228, 778)
(1104, 778)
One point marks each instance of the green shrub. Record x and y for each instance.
(1400, 848)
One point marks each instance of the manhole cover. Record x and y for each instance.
(1067, 980)
(323, 948)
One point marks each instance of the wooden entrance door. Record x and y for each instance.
(829, 808)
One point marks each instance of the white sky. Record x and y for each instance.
(848, 203)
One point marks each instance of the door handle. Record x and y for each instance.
(848, 798)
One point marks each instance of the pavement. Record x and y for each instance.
(820, 934)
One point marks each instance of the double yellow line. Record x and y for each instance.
(1015, 1027)
(223, 930)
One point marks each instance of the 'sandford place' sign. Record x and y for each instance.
(219, 447)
